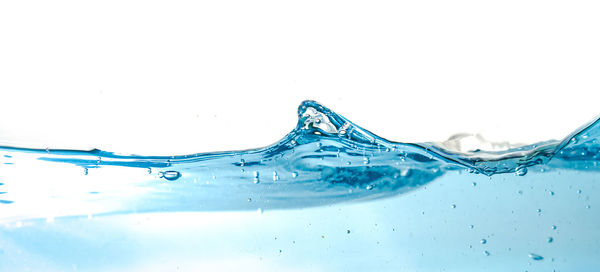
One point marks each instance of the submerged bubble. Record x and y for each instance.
(170, 175)
(521, 171)
(483, 241)
(550, 240)
(486, 253)
(535, 257)
(294, 174)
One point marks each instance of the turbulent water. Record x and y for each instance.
(476, 210)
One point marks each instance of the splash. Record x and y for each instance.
(326, 159)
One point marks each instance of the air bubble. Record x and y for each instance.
(294, 174)
(535, 257)
(483, 241)
(521, 171)
(486, 253)
(170, 175)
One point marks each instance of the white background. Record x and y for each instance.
(176, 77)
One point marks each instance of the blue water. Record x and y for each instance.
(329, 196)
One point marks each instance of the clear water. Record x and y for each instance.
(330, 196)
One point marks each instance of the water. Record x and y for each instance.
(330, 196)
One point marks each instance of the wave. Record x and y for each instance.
(325, 159)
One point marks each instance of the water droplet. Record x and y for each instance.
(535, 257)
(242, 162)
(370, 187)
(85, 171)
(474, 184)
(471, 226)
(486, 253)
(520, 192)
(539, 210)
(348, 231)
(550, 239)
(256, 181)
(553, 227)
(521, 171)
(170, 175)
(149, 170)
(551, 193)
(249, 199)
(483, 241)
(453, 206)
(579, 191)
(294, 174)
(366, 160)
(256, 174)
(293, 142)
(587, 206)
(275, 176)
